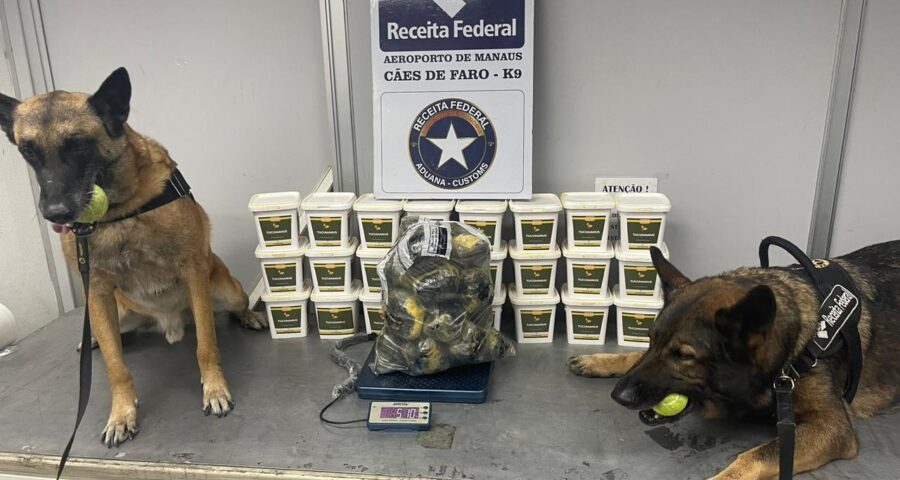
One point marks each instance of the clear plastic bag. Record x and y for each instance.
(437, 294)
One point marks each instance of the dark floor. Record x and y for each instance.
(540, 421)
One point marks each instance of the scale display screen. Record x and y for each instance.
(399, 416)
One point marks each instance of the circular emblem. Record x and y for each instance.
(452, 143)
(819, 263)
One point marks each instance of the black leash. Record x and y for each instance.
(177, 187)
(837, 331)
(82, 232)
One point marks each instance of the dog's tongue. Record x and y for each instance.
(60, 228)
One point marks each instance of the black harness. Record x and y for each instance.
(177, 187)
(837, 334)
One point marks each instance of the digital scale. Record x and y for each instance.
(399, 416)
(465, 384)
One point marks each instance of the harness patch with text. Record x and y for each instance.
(833, 314)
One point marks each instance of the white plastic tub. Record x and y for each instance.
(373, 311)
(433, 209)
(642, 219)
(328, 214)
(535, 316)
(637, 275)
(499, 300)
(276, 219)
(587, 270)
(634, 319)
(282, 269)
(587, 219)
(378, 220)
(497, 259)
(330, 268)
(535, 270)
(486, 216)
(586, 317)
(336, 313)
(536, 221)
(369, 258)
(287, 313)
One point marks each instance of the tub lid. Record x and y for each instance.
(643, 203)
(370, 297)
(264, 202)
(368, 203)
(499, 296)
(539, 203)
(502, 253)
(429, 206)
(329, 297)
(577, 300)
(262, 252)
(371, 253)
(481, 206)
(517, 254)
(588, 200)
(529, 300)
(638, 255)
(300, 296)
(589, 253)
(648, 303)
(333, 252)
(329, 201)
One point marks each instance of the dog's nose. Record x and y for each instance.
(58, 213)
(626, 393)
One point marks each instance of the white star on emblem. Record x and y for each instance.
(452, 147)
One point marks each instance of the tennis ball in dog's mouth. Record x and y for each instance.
(98, 207)
(672, 405)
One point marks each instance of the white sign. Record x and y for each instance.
(452, 98)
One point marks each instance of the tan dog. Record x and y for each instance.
(157, 264)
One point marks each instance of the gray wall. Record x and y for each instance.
(723, 101)
(867, 204)
(233, 88)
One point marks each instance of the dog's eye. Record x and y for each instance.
(77, 144)
(28, 153)
(682, 356)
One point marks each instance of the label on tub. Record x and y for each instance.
(376, 318)
(326, 230)
(282, 277)
(331, 276)
(643, 232)
(536, 279)
(586, 325)
(588, 278)
(640, 280)
(335, 321)
(536, 234)
(288, 319)
(536, 323)
(487, 227)
(276, 231)
(636, 327)
(372, 278)
(378, 232)
(588, 230)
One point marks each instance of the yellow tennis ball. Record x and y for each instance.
(672, 405)
(98, 207)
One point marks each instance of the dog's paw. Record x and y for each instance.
(592, 365)
(253, 320)
(121, 426)
(217, 400)
(579, 365)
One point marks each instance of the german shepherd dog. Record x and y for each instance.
(723, 340)
(157, 265)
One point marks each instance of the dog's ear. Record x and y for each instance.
(7, 107)
(112, 101)
(671, 277)
(753, 314)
